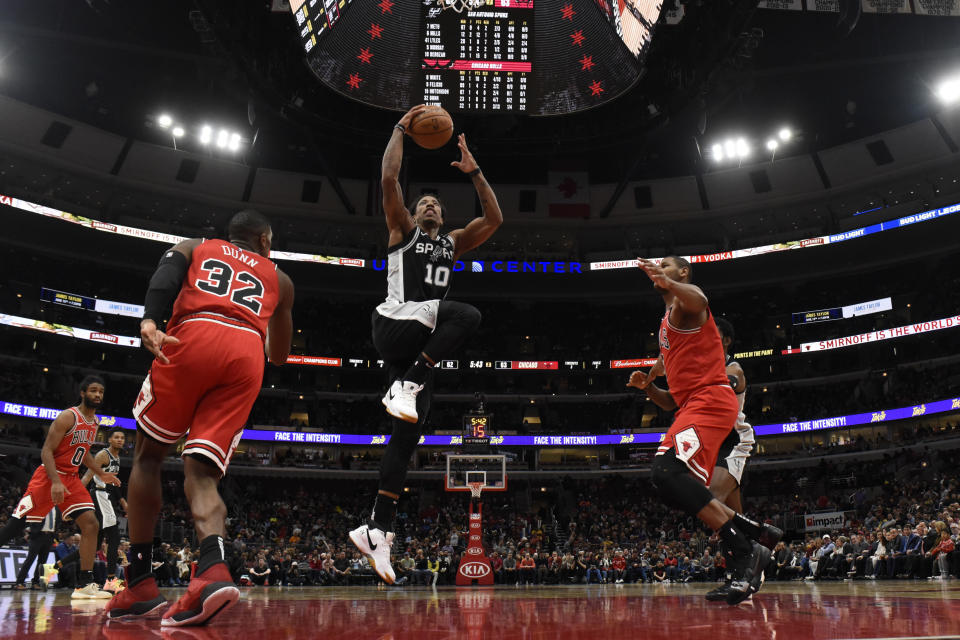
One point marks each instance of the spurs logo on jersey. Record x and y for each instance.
(419, 268)
(113, 466)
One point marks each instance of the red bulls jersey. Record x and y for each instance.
(76, 442)
(693, 358)
(229, 285)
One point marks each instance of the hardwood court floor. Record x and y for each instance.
(781, 611)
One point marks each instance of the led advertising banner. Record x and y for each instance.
(303, 437)
(848, 311)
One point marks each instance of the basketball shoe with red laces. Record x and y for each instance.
(209, 593)
(141, 598)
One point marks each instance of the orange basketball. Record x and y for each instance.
(432, 128)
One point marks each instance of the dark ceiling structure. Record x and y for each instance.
(726, 67)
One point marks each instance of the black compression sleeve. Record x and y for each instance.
(164, 285)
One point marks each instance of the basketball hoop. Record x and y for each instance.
(476, 488)
(460, 5)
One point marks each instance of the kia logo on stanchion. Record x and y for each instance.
(475, 551)
(474, 569)
(474, 537)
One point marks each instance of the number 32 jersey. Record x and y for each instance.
(225, 283)
(419, 268)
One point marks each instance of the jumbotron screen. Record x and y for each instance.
(540, 57)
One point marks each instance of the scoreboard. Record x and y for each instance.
(517, 57)
(479, 60)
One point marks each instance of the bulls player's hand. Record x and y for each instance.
(467, 162)
(153, 340)
(58, 492)
(110, 478)
(409, 116)
(655, 272)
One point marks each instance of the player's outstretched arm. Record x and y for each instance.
(280, 327)
(90, 463)
(164, 286)
(479, 229)
(101, 460)
(735, 373)
(689, 297)
(58, 428)
(399, 221)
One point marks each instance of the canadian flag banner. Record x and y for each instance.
(569, 194)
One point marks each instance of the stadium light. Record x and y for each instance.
(772, 144)
(206, 134)
(234, 144)
(178, 131)
(718, 152)
(785, 134)
(743, 149)
(730, 146)
(164, 120)
(223, 138)
(949, 90)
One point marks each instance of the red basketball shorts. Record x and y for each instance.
(699, 428)
(206, 391)
(37, 502)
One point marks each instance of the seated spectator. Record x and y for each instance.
(528, 569)
(260, 573)
(618, 567)
(510, 569)
(941, 552)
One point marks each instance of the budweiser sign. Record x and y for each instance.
(635, 362)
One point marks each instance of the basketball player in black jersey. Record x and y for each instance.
(107, 501)
(416, 327)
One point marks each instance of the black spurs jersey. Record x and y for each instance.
(419, 268)
(113, 466)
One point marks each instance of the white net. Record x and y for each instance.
(461, 5)
(476, 488)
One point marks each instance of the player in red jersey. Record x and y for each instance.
(692, 357)
(57, 483)
(232, 304)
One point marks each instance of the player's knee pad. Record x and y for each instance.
(676, 486)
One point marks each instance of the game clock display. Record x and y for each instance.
(476, 425)
(479, 60)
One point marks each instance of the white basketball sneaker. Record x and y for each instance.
(91, 591)
(375, 545)
(401, 400)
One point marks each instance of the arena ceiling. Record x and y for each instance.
(727, 68)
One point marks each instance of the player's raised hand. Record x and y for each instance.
(655, 272)
(58, 492)
(110, 478)
(641, 379)
(153, 340)
(466, 162)
(410, 115)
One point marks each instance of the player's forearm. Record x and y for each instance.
(87, 477)
(492, 214)
(392, 157)
(661, 397)
(49, 464)
(691, 297)
(91, 464)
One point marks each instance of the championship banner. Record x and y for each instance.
(823, 5)
(157, 236)
(11, 561)
(788, 5)
(886, 6)
(72, 332)
(876, 336)
(820, 521)
(937, 7)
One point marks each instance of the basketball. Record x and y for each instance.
(432, 128)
